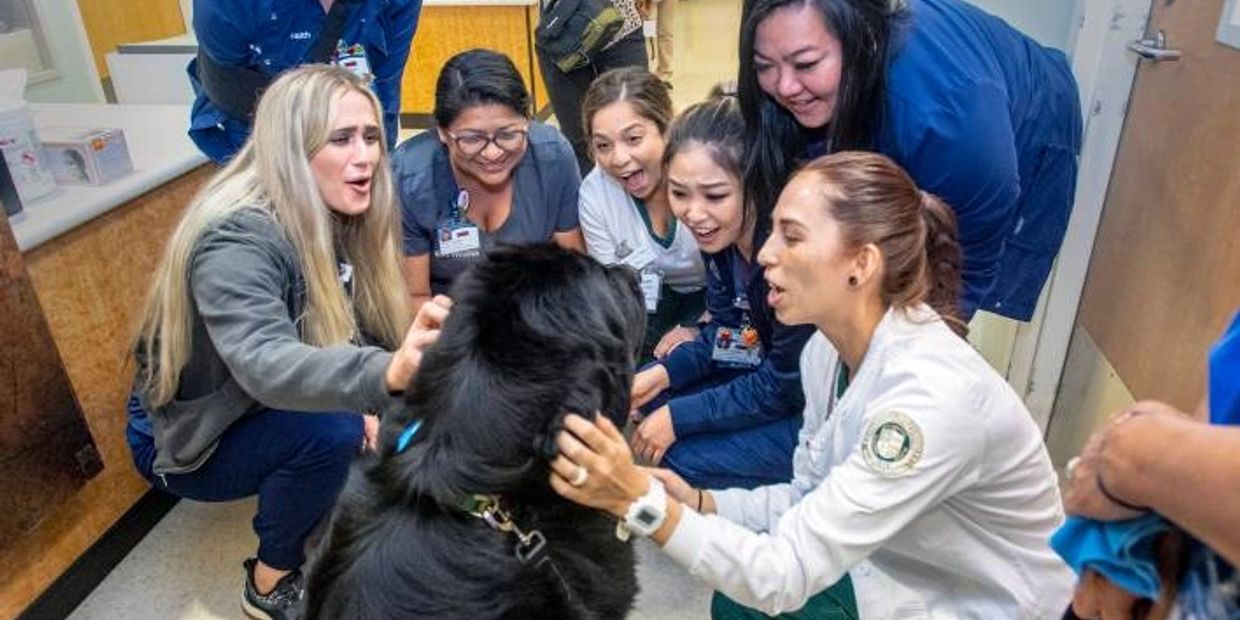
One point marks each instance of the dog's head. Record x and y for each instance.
(535, 332)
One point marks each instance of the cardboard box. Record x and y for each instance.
(86, 156)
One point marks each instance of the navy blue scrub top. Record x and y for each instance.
(271, 36)
(989, 120)
(544, 200)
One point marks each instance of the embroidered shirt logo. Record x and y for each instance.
(893, 444)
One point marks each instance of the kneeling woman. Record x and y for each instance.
(724, 408)
(625, 214)
(487, 175)
(919, 473)
(279, 295)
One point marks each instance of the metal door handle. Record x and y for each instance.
(1155, 48)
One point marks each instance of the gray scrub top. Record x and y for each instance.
(544, 199)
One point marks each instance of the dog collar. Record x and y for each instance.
(406, 435)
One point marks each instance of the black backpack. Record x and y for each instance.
(572, 32)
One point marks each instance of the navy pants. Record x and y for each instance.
(295, 462)
(745, 458)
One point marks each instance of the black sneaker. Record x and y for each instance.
(282, 603)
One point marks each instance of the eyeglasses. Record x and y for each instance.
(472, 143)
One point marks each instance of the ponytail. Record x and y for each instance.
(943, 261)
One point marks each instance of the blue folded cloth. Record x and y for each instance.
(1122, 551)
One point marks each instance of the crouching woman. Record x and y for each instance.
(269, 328)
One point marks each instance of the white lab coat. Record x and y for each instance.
(615, 233)
(956, 528)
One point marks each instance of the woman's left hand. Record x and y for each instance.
(595, 468)
(673, 338)
(1083, 497)
(654, 435)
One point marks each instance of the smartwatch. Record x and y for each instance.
(645, 515)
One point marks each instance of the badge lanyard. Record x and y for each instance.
(738, 346)
(652, 288)
(353, 58)
(459, 236)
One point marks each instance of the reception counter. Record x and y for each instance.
(90, 253)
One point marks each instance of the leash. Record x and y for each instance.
(531, 547)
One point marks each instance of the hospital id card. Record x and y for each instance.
(737, 346)
(459, 240)
(652, 285)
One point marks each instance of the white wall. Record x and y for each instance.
(1050, 22)
(78, 81)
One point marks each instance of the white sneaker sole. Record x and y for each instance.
(252, 611)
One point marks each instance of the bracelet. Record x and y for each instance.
(699, 506)
(1115, 500)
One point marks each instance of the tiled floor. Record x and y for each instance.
(189, 566)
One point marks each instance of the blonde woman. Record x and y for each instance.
(268, 327)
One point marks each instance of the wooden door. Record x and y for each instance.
(1164, 279)
(46, 451)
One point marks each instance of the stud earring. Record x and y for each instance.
(852, 281)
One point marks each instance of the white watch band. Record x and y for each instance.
(645, 515)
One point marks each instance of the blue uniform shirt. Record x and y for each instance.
(1224, 377)
(989, 120)
(770, 391)
(271, 36)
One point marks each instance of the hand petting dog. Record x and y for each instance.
(424, 331)
(595, 468)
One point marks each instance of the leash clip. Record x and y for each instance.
(529, 545)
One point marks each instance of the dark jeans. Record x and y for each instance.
(567, 89)
(296, 462)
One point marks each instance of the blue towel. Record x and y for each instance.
(1121, 551)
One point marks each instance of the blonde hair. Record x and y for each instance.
(272, 173)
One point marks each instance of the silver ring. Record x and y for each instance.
(1070, 468)
(580, 477)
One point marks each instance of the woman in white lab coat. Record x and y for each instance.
(919, 474)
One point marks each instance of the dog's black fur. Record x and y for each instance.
(534, 332)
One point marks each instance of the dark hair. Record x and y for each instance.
(876, 202)
(642, 89)
(716, 126)
(535, 331)
(772, 135)
(478, 77)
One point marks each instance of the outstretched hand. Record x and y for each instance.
(425, 330)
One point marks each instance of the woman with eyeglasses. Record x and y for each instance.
(488, 175)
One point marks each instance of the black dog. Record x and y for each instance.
(534, 332)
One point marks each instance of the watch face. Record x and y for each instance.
(646, 517)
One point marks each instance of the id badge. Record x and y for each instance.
(459, 239)
(652, 285)
(737, 346)
(354, 59)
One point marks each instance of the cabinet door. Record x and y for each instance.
(46, 451)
